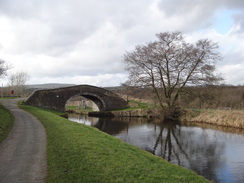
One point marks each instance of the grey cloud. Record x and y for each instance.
(89, 38)
(20, 9)
(207, 7)
(234, 57)
(205, 11)
(239, 21)
(238, 6)
(71, 70)
(199, 13)
(56, 27)
(179, 7)
(60, 24)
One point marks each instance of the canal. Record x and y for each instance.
(213, 152)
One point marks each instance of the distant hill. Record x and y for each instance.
(48, 86)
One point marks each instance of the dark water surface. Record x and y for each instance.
(213, 152)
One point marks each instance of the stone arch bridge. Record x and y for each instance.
(56, 98)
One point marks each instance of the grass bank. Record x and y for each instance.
(227, 118)
(77, 110)
(79, 153)
(6, 122)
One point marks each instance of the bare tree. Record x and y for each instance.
(18, 81)
(3, 67)
(169, 64)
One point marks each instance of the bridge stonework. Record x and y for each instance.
(56, 98)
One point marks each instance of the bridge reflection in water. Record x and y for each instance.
(216, 154)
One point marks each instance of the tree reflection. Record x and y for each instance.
(198, 150)
(167, 144)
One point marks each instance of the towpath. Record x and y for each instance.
(23, 152)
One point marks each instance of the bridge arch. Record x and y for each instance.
(96, 99)
(56, 98)
(92, 97)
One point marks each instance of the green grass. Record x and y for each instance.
(8, 98)
(138, 105)
(194, 112)
(135, 104)
(79, 153)
(6, 122)
(74, 108)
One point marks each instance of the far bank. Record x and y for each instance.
(226, 118)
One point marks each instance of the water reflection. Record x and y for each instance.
(216, 155)
(167, 143)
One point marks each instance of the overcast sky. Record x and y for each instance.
(83, 42)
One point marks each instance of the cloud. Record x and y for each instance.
(233, 73)
(202, 13)
(102, 80)
(69, 40)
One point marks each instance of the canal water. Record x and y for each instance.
(213, 152)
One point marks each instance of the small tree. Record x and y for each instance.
(3, 67)
(169, 64)
(18, 81)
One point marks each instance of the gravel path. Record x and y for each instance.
(23, 152)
